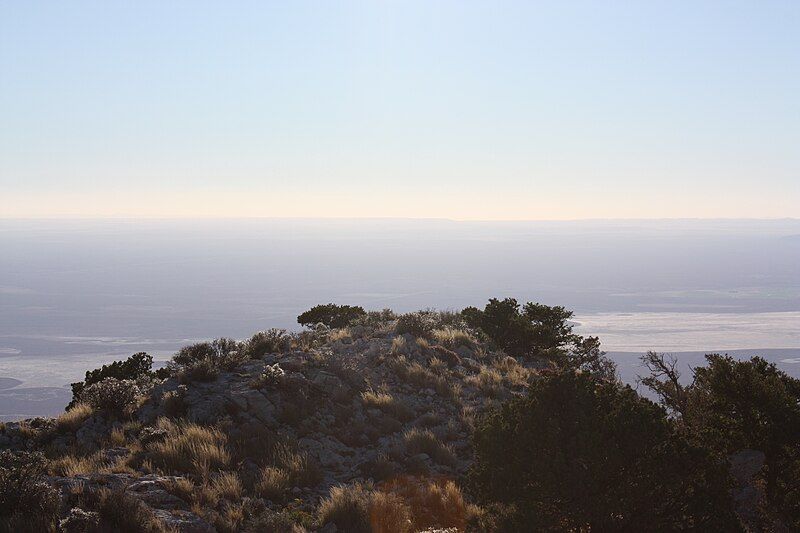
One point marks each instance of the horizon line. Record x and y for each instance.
(396, 218)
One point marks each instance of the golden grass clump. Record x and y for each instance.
(117, 437)
(452, 338)
(181, 487)
(72, 420)
(398, 345)
(512, 371)
(433, 503)
(71, 465)
(189, 448)
(418, 441)
(289, 468)
(272, 483)
(388, 513)
(120, 511)
(223, 486)
(387, 403)
(488, 381)
(348, 508)
(340, 335)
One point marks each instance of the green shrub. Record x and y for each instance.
(266, 342)
(200, 370)
(27, 502)
(223, 352)
(735, 405)
(579, 453)
(418, 324)
(375, 319)
(271, 376)
(539, 330)
(331, 315)
(114, 396)
(133, 368)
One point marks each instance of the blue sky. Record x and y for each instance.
(466, 110)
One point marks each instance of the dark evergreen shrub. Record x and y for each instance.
(582, 454)
(331, 315)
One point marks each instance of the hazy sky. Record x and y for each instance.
(470, 110)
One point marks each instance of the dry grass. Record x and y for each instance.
(71, 465)
(302, 470)
(73, 419)
(512, 371)
(224, 486)
(348, 508)
(117, 437)
(123, 512)
(488, 381)
(433, 503)
(230, 519)
(189, 448)
(452, 338)
(388, 513)
(388, 404)
(422, 377)
(437, 366)
(289, 468)
(26, 431)
(418, 441)
(398, 345)
(340, 335)
(272, 483)
(181, 487)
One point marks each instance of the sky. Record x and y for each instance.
(454, 109)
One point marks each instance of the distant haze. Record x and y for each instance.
(76, 294)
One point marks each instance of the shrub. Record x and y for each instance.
(27, 502)
(376, 319)
(418, 324)
(270, 377)
(200, 370)
(114, 396)
(80, 521)
(222, 353)
(734, 405)
(266, 342)
(133, 368)
(579, 453)
(331, 315)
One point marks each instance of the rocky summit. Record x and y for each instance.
(234, 439)
(496, 419)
